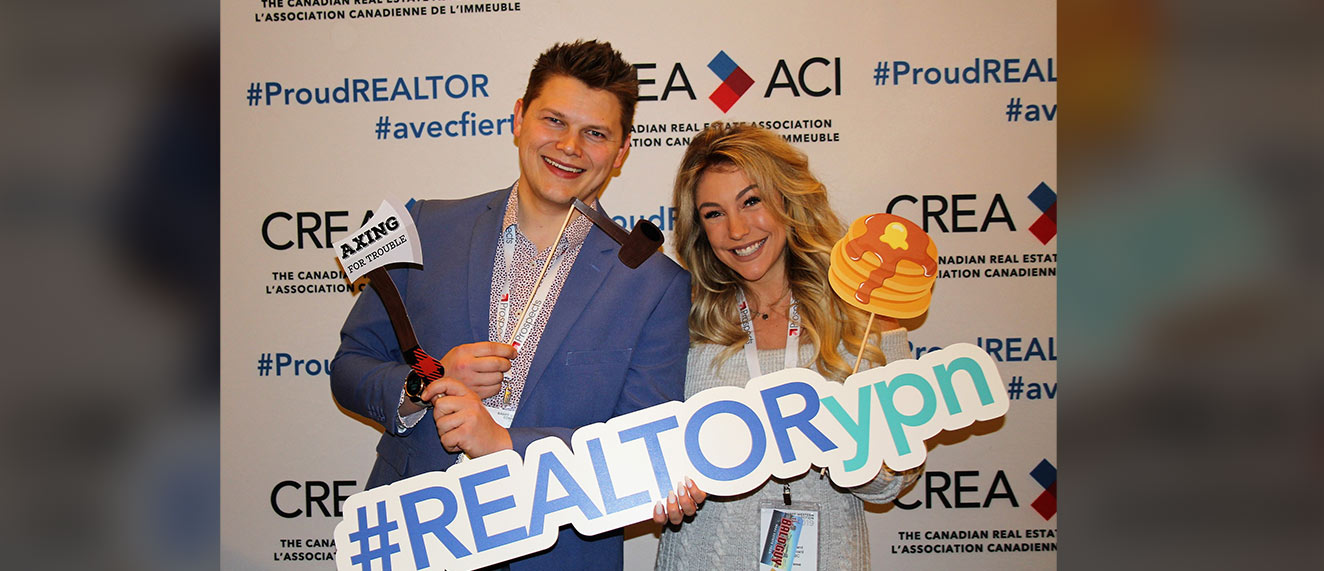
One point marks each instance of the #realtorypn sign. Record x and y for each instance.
(729, 440)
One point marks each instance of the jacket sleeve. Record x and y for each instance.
(368, 370)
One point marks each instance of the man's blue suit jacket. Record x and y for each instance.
(616, 342)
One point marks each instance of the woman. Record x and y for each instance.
(755, 226)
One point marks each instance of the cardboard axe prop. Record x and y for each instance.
(642, 241)
(390, 238)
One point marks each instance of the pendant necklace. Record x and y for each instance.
(764, 315)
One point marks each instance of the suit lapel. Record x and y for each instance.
(596, 259)
(482, 247)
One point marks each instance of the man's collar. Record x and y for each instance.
(575, 233)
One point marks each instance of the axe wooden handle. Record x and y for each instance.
(395, 310)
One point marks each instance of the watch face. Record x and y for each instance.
(414, 390)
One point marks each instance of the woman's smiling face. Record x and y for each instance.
(742, 230)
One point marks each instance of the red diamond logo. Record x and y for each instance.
(1046, 503)
(739, 81)
(724, 97)
(1045, 228)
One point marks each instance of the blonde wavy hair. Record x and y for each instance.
(812, 228)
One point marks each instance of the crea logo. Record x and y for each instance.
(956, 213)
(311, 228)
(308, 229)
(960, 489)
(970, 212)
(815, 76)
(966, 489)
(311, 498)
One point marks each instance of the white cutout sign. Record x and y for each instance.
(729, 440)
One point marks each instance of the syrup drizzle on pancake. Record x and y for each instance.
(879, 233)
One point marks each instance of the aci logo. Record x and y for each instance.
(1046, 474)
(735, 82)
(809, 81)
(1045, 227)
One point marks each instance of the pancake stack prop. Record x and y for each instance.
(885, 265)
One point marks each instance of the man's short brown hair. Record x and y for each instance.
(594, 63)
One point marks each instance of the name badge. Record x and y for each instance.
(789, 538)
(501, 416)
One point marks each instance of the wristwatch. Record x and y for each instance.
(414, 386)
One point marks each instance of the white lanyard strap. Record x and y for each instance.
(792, 355)
(539, 296)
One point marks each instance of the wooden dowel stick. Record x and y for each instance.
(860, 354)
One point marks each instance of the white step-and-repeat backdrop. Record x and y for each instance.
(940, 111)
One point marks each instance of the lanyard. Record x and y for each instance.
(539, 296)
(535, 308)
(792, 354)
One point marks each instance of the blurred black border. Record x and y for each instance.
(1190, 174)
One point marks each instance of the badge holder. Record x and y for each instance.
(503, 417)
(789, 533)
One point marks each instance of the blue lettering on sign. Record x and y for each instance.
(976, 376)
(1018, 349)
(857, 429)
(758, 446)
(648, 432)
(478, 510)
(549, 465)
(781, 425)
(436, 526)
(895, 419)
(610, 501)
(665, 219)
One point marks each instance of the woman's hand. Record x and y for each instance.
(682, 502)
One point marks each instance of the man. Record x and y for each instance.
(599, 339)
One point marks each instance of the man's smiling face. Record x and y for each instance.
(569, 140)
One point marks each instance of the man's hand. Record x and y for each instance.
(463, 423)
(479, 366)
(681, 502)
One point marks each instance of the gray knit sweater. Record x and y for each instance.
(725, 533)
